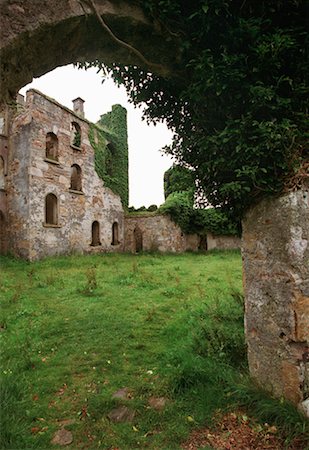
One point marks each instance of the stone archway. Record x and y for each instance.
(30, 27)
(27, 30)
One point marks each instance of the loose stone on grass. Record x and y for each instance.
(64, 422)
(157, 403)
(123, 394)
(121, 414)
(62, 437)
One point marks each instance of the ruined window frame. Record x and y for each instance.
(53, 215)
(48, 154)
(76, 135)
(95, 234)
(115, 233)
(76, 184)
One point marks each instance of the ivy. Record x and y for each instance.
(238, 98)
(109, 140)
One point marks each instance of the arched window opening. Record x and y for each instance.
(51, 146)
(1, 173)
(3, 243)
(138, 240)
(76, 135)
(51, 210)
(95, 234)
(76, 178)
(115, 230)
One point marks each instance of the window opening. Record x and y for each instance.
(51, 212)
(76, 135)
(115, 231)
(51, 146)
(95, 234)
(76, 178)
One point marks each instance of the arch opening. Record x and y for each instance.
(51, 209)
(51, 146)
(115, 233)
(138, 239)
(76, 135)
(47, 25)
(95, 234)
(76, 178)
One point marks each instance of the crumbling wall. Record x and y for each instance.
(17, 186)
(32, 32)
(161, 234)
(275, 249)
(76, 210)
(222, 242)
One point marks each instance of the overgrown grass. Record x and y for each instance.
(76, 329)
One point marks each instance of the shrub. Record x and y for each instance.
(152, 208)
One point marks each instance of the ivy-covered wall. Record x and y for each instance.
(109, 138)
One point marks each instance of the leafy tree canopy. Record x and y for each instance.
(177, 179)
(178, 206)
(238, 101)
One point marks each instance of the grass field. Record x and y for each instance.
(74, 330)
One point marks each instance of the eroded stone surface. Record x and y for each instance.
(276, 283)
(159, 233)
(62, 437)
(123, 394)
(32, 32)
(32, 177)
(157, 403)
(121, 414)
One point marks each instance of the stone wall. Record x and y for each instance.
(276, 282)
(160, 233)
(33, 176)
(32, 32)
(222, 242)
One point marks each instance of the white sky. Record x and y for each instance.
(146, 164)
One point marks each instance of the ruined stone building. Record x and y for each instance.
(52, 200)
(64, 186)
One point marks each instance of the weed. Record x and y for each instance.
(31, 275)
(91, 281)
(17, 294)
(134, 267)
(219, 332)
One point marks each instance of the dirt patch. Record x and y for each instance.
(236, 431)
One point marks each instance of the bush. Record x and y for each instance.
(152, 208)
(178, 206)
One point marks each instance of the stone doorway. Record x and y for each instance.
(138, 240)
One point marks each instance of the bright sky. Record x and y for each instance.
(146, 164)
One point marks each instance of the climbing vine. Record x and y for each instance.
(109, 140)
(238, 103)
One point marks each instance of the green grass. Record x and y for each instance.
(76, 329)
